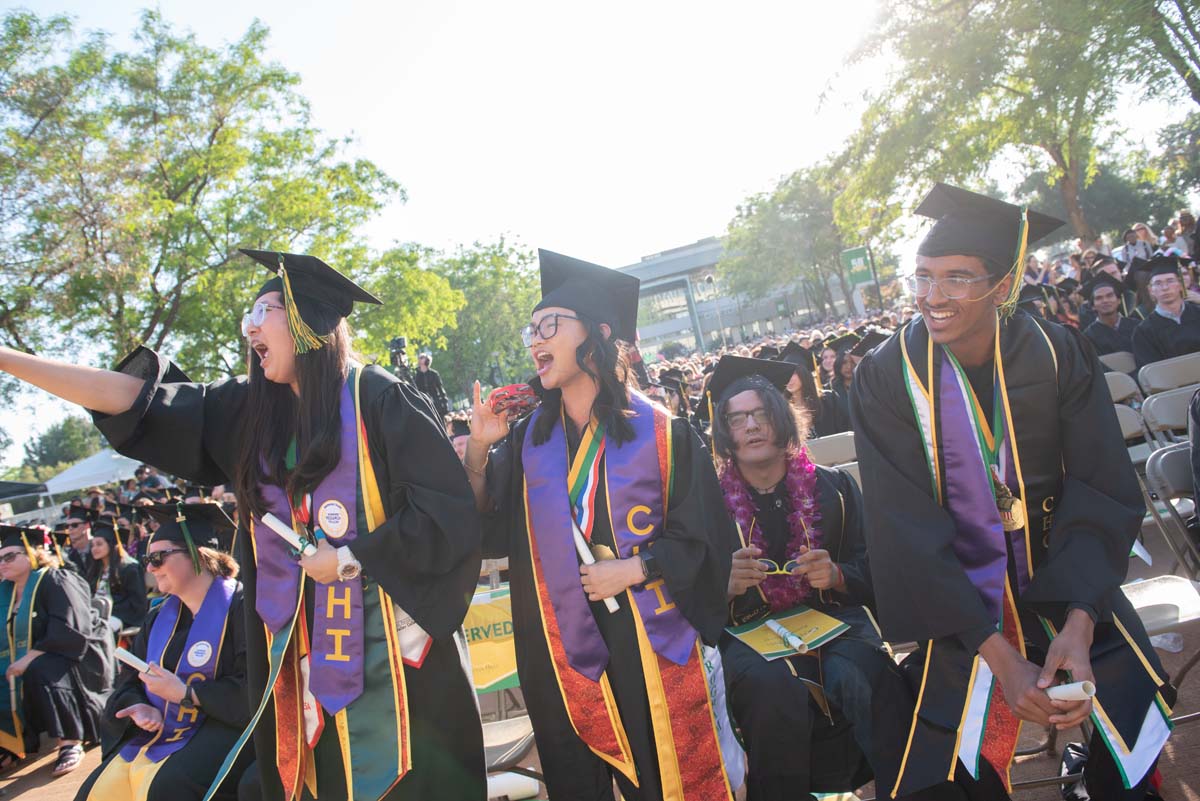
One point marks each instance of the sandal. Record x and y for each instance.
(69, 757)
(8, 760)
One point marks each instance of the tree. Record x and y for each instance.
(1164, 37)
(65, 442)
(1118, 196)
(499, 285)
(785, 237)
(974, 80)
(129, 180)
(1180, 160)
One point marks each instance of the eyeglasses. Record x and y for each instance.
(256, 316)
(11, 557)
(545, 328)
(1164, 283)
(76, 525)
(952, 288)
(773, 568)
(156, 559)
(739, 420)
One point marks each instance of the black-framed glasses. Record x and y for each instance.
(545, 328)
(739, 420)
(256, 316)
(76, 525)
(953, 288)
(12, 556)
(156, 559)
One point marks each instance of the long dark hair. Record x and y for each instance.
(274, 415)
(115, 561)
(809, 400)
(613, 375)
(787, 422)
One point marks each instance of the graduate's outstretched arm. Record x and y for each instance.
(102, 391)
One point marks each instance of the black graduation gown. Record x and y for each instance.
(1157, 338)
(425, 555)
(79, 560)
(129, 603)
(792, 748)
(63, 690)
(1106, 339)
(693, 554)
(841, 396)
(834, 417)
(1083, 504)
(223, 700)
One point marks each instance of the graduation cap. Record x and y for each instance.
(843, 343)
(869, 342)
(78, 511)
(795, 353)
(971, 224)
(674, 383)
(316, 296)
(1067, 286)
(14, 536)
(731, 368)
(1031, 293)
(1163, 265)
(460, 427)
(197, 491)
(767, 352)
(598, 293)
(1100, 281)
(193, 525)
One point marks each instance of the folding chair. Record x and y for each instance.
(1169, 475)
(1122, 388)
(506, 743)
(1166, 415)
(1170, 373)
(1132, 427)
(835, 449)
(1165, 604)
(1120, 362)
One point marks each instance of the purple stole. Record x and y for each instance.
(633, 476)
(198, 663)
(336, 663)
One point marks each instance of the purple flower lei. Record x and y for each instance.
(781, 592)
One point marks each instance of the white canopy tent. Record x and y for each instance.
(104, 467)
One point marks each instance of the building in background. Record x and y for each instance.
(678, 303)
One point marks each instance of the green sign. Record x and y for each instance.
(857, 265)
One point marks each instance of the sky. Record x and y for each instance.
(606, 131)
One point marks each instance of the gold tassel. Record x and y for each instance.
(305, 338)
(1018, 269)
(32, 554)
(712, 423)
(62, 559)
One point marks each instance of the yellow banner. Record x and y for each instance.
(489, 634)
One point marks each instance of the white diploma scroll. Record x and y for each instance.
(790, 640)
(1076, 691)
(285, 531)
(585, 556)
(137, 664)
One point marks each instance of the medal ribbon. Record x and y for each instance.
(583, 479)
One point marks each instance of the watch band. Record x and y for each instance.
(650, 566)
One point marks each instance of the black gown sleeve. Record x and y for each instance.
(131, 604)
(66, 604)
(924, 593)
(186, 429)
(496, 521)
(1098, 515)
(426, 553)
(694, 550)
(226, 698)
(852, 553)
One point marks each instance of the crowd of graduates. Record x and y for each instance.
(284, 621)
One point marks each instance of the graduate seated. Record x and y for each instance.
(116, 575)
(56, 653)
(179, 719)
(1174, 327)
(801, 544)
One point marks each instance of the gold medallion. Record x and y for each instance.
(334, 519)
(1011, 508)
(602, 553)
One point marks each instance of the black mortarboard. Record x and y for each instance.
(869, 342)
(795, 353)
(673, 383)
(1031, 293)
(598, 293)
(317, 297)
(106, 529)
(767, 352)
(731, 368)
(1067, 286)
(197, 491)
(971, 224)
(193, 525)
(460, 427)
(843, 343)
(61, 527)
(1103, 280)
(1163, 265)
(20, 535)
(78, 511)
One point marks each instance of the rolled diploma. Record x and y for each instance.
(285, 531)
(137, 664)
(789, 639)
(585, 555)
(1076, 691)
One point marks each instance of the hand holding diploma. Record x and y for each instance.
(282, 529)
(1070, 651)
(585, 556)
(1076, 691)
